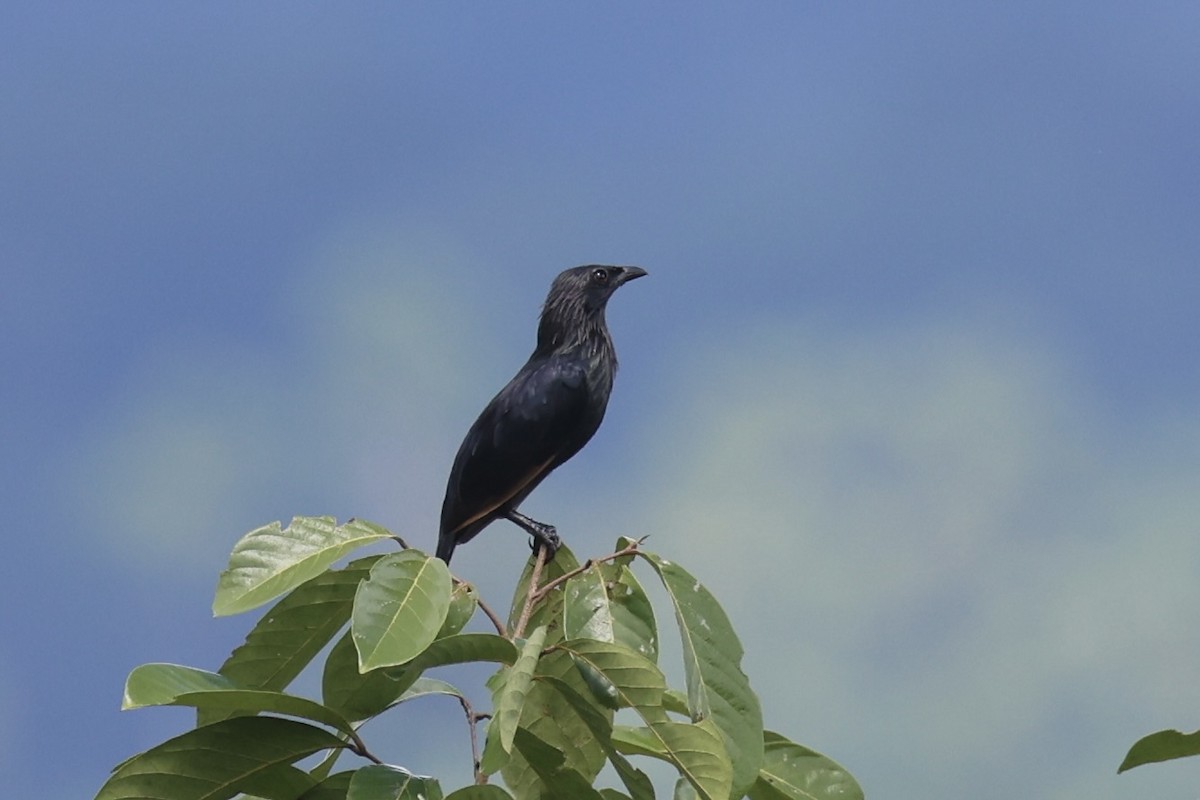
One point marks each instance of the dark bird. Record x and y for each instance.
(545, 414)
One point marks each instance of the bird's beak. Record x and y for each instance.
(629, 273)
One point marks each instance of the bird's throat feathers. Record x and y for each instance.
(568, 326)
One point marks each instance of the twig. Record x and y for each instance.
(492, 615)
(550, 586)
(538, 564)
(499, 623)
(359, 747)
(472, 722)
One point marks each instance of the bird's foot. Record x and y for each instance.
(543, 535)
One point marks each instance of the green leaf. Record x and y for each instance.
(269, 561)
(586, 612)
(695, 749)
(161, 684)
(323, 768)
(463, 602)
(560, 780)
(283, 782)
(382, 782)
(793, 772)
(613, 794)
(485, 792)
(676, 701)
(684, 790)
(633, 617)
(624, 542)
(174, 685)
(424, 687)
(553, 720)
(400, 608)
(636, 681)
(510, 702)
(1161, 746)
(332, 788)
(712, 655)
(463, 648)
(362, 695)
(603, 690)
(635, 780)
(354, 694)
(218, 761)
(295, 629)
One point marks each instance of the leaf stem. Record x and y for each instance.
(359, 748)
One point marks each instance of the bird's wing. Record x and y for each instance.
(533, 425)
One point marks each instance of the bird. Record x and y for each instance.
(542, 417)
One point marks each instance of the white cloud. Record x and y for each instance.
(939, 558)
(338, 415)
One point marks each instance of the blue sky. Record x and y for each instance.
(913, 377)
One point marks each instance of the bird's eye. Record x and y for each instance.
(600, 275)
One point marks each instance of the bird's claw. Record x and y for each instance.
(545, 536)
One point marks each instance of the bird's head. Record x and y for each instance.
(575, 304)
(590, 287)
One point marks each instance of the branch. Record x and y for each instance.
(523, 620)
(535, 594)
(472, 722)
(541, 593)
(359, 747)
(499, 623)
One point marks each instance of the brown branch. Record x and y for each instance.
(541, 593)
(472, 721)
(492, 615)
(536, 575)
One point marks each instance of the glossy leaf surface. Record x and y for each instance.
(712, 654)
(400, 608)
(249, 754)
(272, 560)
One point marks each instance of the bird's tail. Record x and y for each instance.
(445, 548)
